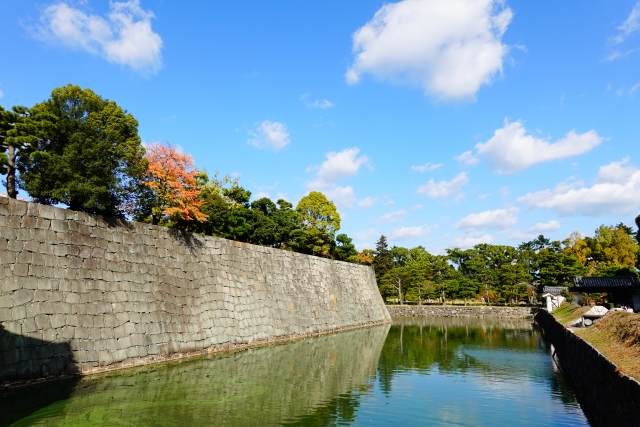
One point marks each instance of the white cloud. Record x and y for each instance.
(616, 172)
(365, 234)
(343, 197)
(406, 233)
(338, 166)
(1, 94)
(511, 150)
(417, 207)
(367, 202)
(552, 225)
(531, 232)
(616, 191)
(393, 216)
(362, 246)
(470, 239)
(318, 103)
(260, 194)
(629, 26)
(450, 48)
(443, 189)
(125, 37)
(272, 135)
(498, 218)
(466, 158)
(426, 167)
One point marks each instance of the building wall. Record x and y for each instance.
(81, 293)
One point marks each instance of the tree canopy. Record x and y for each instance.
(319, 220)
(171, 178)
(89, 156)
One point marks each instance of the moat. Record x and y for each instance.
(417, 371)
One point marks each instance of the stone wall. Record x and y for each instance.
(80, 293)
(460, 311)
(607, 397)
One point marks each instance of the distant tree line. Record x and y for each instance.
(80, 150)
(499, 274)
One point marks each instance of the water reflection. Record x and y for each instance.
(419, 371)
(263, 386)
(472, 372)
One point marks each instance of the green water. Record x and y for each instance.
(418, 371)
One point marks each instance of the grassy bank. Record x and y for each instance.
(567, 313)
(616, 336)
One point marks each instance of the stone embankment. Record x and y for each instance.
(81, 294)
(461, 311)
(607, 397)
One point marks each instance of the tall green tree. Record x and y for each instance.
(6, 124)
(558, 268)
(275, 224)
(614, 246)
(319, 221)
(345, 249)
(89, 159)
(19, 131)
(383, 259)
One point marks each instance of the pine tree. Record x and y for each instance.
(383, 259)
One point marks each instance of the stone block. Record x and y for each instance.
(24, 370)
(67, 332)
(129, 328)
(119, 332)
(11, 356)
(105, 358)
(22, 296)
(92, 356)
(119, 355)
(21, 270)
(6, 314)
(6, 301)
(81, 333)
(27, 352)
(58, 320)
(48, 307)
(60, 226)
(74, 320)
(72, 298)
(42, 321)
(80, 356)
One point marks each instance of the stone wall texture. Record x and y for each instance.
(607, 397)
(461, 311)
(80, 293)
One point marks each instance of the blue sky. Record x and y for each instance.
(435, 123)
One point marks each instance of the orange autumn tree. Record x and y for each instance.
(171, 178)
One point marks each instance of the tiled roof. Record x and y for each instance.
(606, 282)
(554, 290)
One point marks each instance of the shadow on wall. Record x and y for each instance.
(189, 240)
(26, 358)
